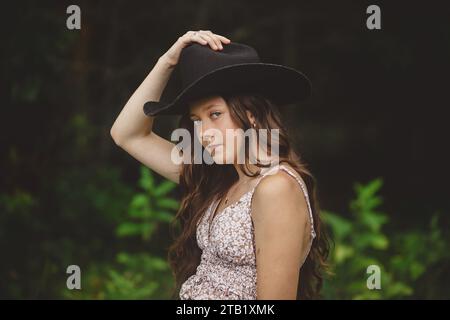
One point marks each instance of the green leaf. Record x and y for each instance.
(123, 257)
(147, 230)
(164, 216)
(372, 240)
(340, 227)
(139, 201)
(128, 229)
(373, 220)
(159, 264)
(398, 289)
(364, 196)
(146, 180)
(416, 269)
(164, 188)
(343, 252)
(167, 203)
(140, 206)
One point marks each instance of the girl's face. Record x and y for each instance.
(212, 121)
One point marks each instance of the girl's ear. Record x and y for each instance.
(250, 116)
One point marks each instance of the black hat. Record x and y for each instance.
(234, 69)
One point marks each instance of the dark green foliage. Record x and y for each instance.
(142, 275)
(407, 258)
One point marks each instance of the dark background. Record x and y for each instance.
(378, 109)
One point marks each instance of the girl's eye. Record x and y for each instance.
(215, 113)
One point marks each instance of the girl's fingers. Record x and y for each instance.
(223, 39)
(211, 41)
(207, 37)
(219, 37)
(215, 38)
(197, 37)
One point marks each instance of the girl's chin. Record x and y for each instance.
(218, 157)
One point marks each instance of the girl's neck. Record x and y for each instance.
(242, 176)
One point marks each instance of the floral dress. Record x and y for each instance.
(227, 270)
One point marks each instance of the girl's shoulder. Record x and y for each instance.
(281, 174)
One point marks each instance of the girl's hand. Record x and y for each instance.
(203, 37)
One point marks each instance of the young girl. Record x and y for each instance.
(249, 229)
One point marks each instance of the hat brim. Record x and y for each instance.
(283, 85)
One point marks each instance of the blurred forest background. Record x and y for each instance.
(373, 134)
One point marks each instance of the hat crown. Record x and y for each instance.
(197, 60)
(234, 69)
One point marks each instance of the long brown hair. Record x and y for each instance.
(199, 186)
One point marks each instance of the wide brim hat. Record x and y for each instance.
(234, 69)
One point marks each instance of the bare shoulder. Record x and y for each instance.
(279, 194)
(276, 184)
(280, 216)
